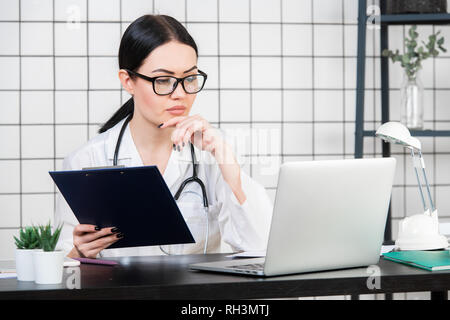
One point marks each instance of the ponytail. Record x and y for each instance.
(120, 114)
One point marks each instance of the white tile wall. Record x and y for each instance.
(234, 39)
(281, 83)
(235, 105)
(296, 11)
(298, 39)
(206, 35)
(104, 10)
(9, 38)
(9, 10)
(10, 65)
(70, 10)
(9, 107)
(70, 107)
(71, 73)
(36, 10)
(10, 145)
(37, 107)
(103, 73)
(37, 73)
(174, 8)
(36, 38)
(234, 10)
(201, 10)
(266, 39)
(265, 11)
(104, 38)
(297, 72)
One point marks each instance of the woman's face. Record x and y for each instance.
(170, 59)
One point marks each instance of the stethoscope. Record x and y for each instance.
(193, 178)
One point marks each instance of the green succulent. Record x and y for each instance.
(412, 59)
(47, 239)
(28, 238)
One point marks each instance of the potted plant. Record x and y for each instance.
(411, 90)
(48, 263)
(26, 244)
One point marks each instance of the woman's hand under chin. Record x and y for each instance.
(198, 131)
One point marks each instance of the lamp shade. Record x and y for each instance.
(397, 133)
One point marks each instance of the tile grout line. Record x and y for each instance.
(20, 117)
(54, 105)
(282, 83)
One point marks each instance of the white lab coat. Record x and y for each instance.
(232, 226)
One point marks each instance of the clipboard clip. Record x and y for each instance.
(103, 167)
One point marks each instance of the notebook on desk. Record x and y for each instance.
(327, 215)
(428, 260)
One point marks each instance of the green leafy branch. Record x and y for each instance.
(411, 60)
(28, 238)
(47, 239)
(40, 237)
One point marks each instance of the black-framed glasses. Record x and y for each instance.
(165, 85)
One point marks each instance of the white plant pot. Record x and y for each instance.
(24, 264)
(48, 267)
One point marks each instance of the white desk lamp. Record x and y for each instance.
(420, 231)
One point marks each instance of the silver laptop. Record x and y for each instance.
(327, 215)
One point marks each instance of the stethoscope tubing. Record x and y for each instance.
(193, 178)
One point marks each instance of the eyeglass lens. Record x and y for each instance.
(191, 84)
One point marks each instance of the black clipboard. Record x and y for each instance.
(136, 200)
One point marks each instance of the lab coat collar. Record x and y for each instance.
(177, 166)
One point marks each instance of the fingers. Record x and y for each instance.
(91, 249)
(83, 228)
(193, 129)
(105, 242)
(186, 129)
(88, 239)
(91, 236)
(172, 122)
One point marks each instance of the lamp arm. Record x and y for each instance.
(422, 164)
(418, 180)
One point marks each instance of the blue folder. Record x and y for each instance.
(136, 200)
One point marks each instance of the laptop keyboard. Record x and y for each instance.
(252, 266)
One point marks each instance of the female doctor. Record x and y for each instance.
(224, 208)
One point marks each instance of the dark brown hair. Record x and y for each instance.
(140, 38)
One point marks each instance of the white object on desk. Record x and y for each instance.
(7, 269)
(420, 231)
(68, 262)
(385, 249)
(8, 275)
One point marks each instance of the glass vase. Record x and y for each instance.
(412, 109)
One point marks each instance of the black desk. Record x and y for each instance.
(167, 277)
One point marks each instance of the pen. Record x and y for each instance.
(96, 261)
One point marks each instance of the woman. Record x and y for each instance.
(158, 68)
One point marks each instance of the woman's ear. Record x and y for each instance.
(127, 82)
